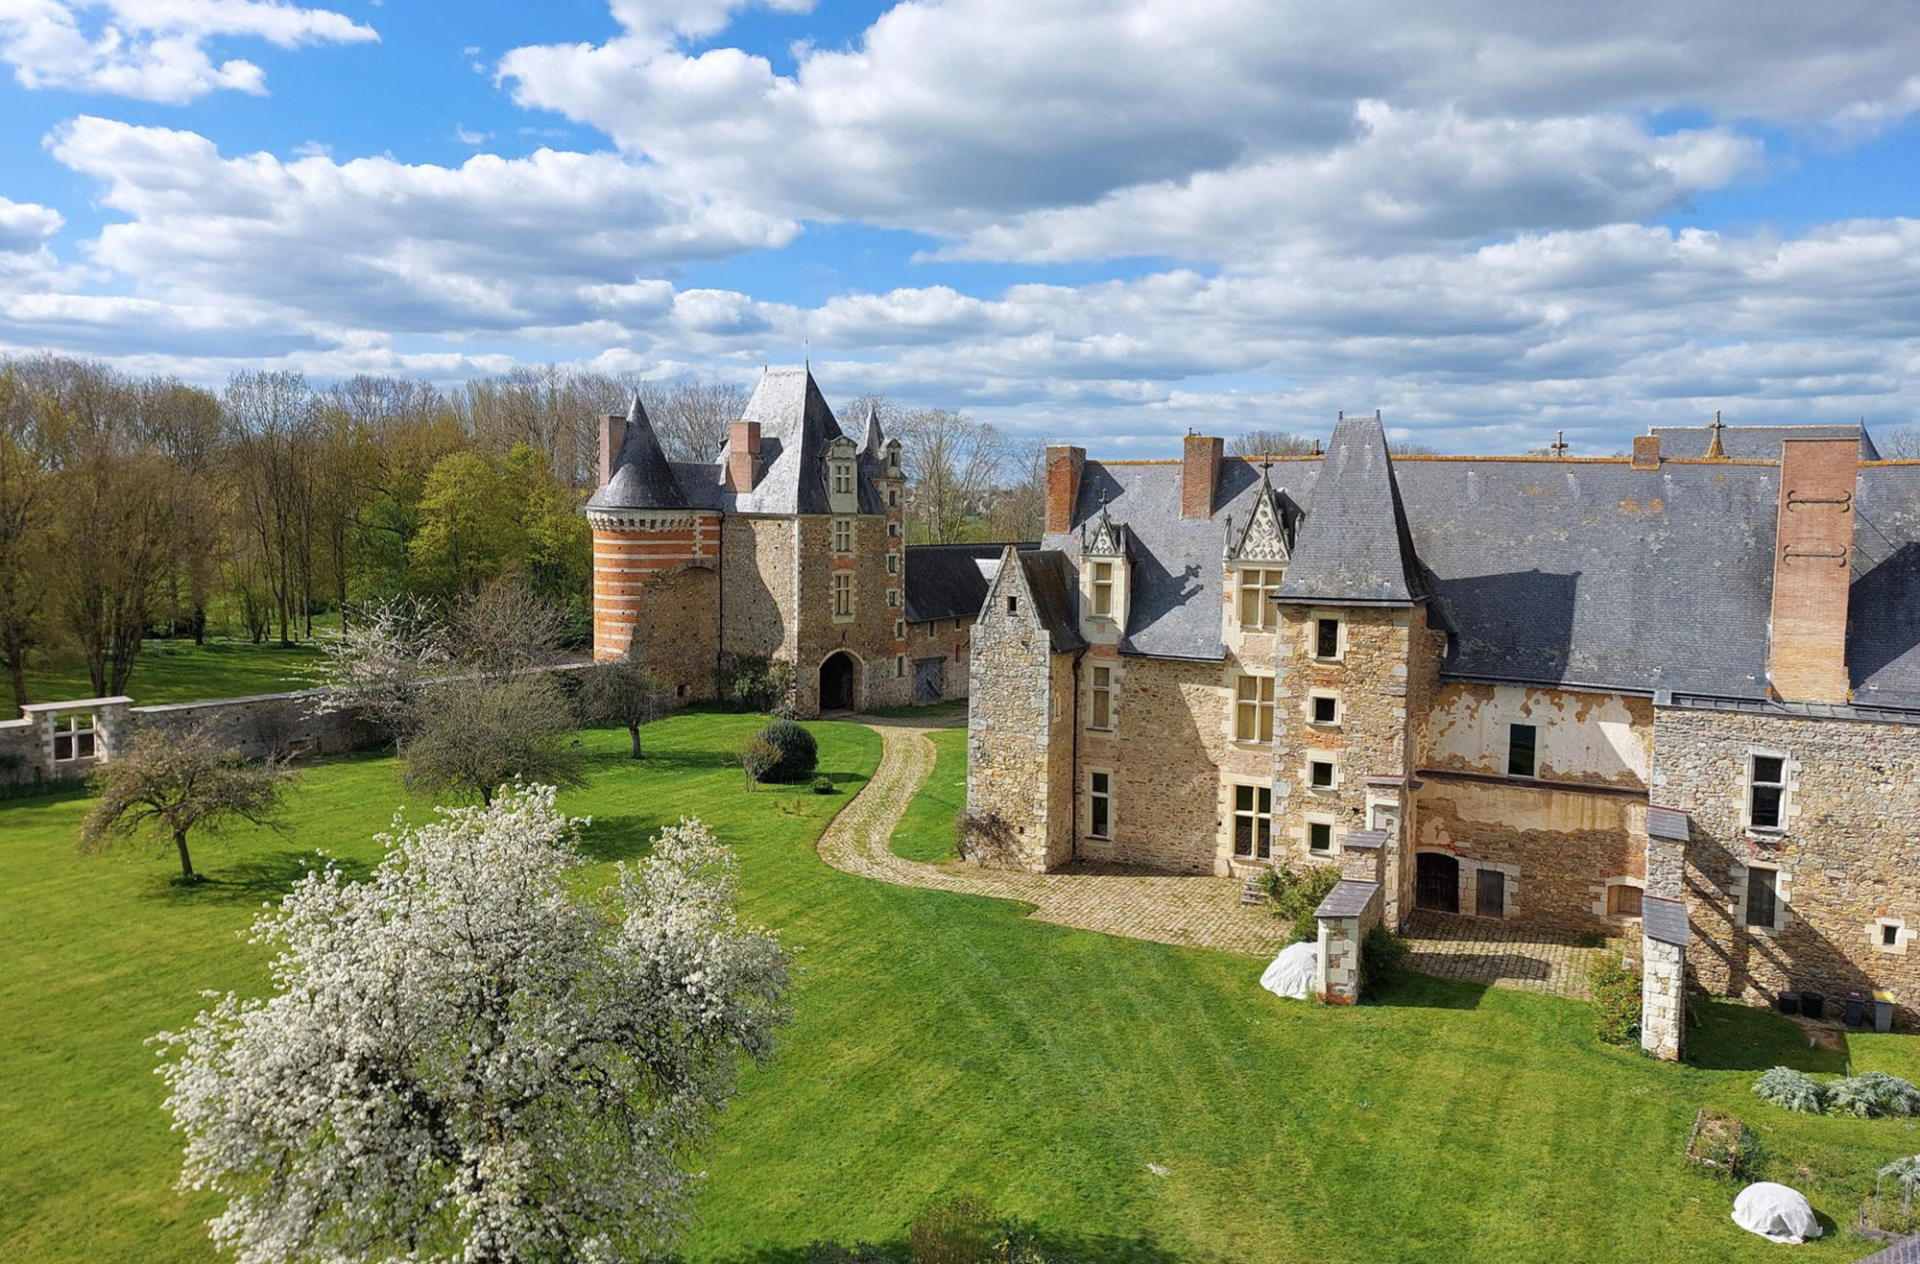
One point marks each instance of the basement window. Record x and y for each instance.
(1763, 897)
(1522, 740)
(1766, 791)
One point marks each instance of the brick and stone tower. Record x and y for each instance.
(656, 560)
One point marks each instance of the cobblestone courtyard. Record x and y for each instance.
(1201, 911)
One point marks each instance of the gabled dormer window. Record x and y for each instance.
(1103, 590)
(843, 478)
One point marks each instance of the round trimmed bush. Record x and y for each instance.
(799, 753)
(823, 785)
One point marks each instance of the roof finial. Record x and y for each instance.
(1714, 448)
(1559, 445)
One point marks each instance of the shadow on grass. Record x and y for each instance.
(670, 760)
(1079, 1248)
(1409, 989)
(252, 879)
(621, 836)
(1729, 1036)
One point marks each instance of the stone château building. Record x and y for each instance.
(1675, 694)
(789, 546)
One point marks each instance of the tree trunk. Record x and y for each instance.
(17, 672)
(186, 861)
(635, 730)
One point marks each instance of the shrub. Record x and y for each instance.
(958, 1231)
(1874, 1095)
(1383, 954)
(1905, 1174)
(758, 757)
(1616, 1000)
(1791, 1090)
(755, 683)
(823, 785)
(986, 838)
(1294, 897)
(798, 753)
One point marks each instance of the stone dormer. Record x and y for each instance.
(843, 476)
(1266, 540)
(1106, 577)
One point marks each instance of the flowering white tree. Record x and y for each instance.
(465, 1058)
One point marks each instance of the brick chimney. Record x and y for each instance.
(613, 433)
(743, 456)
(1812, 568)
(1646, 452)
(1199, 475)
(1063, 486)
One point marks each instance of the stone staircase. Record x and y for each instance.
(1251, 896)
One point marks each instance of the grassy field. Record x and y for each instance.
(1135, 1101)
(930, 830)
(180, 671)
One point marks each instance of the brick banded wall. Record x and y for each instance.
(631, 550)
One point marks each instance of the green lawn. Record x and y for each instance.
(945, 1044)
(930, 830)
(180, 671)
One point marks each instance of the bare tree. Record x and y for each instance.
(1269, 443)
(621, 691)
(1020, 503)
(951, 461)
(474, 734)
(505, 630)
(270, 419)
(1902, 444)
(170, 784)
(691, 416)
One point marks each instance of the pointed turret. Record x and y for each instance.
(641, 477)
(1354, 547)
(872, 441)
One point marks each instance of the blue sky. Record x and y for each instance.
(1069, 218)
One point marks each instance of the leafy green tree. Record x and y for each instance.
(170, 785)
(621, 691)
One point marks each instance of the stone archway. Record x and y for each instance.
(839, 682)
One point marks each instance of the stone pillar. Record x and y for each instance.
(1350, 910)
(1663, 988)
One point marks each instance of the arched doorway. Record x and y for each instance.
(1436, 882)
(836, 681)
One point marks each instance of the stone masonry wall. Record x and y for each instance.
(1848, 859)
(882, 680)
(1012, 775)
(758, 573)
(946, 640)
(676, 631)
(1165, 751)
(1663, 999)
(1556, 847)
(1603, 739)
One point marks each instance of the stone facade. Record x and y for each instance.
(1845, 864)
(1166, 751)
(1663, 999)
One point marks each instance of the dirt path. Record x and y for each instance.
(1199, 911)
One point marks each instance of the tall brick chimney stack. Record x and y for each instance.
(1064, 465)
(1812, 568)
(1646, 452)
(613, 433)
(1200, 475)
(743, 456)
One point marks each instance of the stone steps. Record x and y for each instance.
(1251, 896)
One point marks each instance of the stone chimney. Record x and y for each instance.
(613, 433)
(1812, 569)
(1063, 486)
(1646, 452)
(1199, 475)
(743, 456)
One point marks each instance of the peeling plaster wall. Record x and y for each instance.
(1587, 738)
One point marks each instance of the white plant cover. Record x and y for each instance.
(1775, 1212)
(465, 1057)
(1295, 972)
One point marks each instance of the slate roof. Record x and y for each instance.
(1051, 579)
(1568, 571)
(1668, 823)
(1347, 898)
(796, 425)
(1354, 546)
(1753, 443)
(642, 478)
(1665, 921)
(949, 581)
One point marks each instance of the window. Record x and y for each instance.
(1326, 638)
(1763, 897)
(1320, 774)
(843, 595)
(1257, 590)
(1102, 699)
(893, 563)
(893, 495)
(1624, 900)
(1520, 749)
(1100, 804)
(1767, 792)
(893, 531)
(893, 598)
(1320, 836)
(1103, 590)
(1253, 709)
(899, 629)
(1253, 822)
(1324, 708)
(899, 666)
(73, 737)
(843, 478)
(843, 535)
(1889, 935)
(1013, 605)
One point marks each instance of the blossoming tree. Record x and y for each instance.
(466, 1057)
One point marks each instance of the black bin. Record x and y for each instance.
(1787, 1002)
(1856, 1008)
(1813, 1005)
